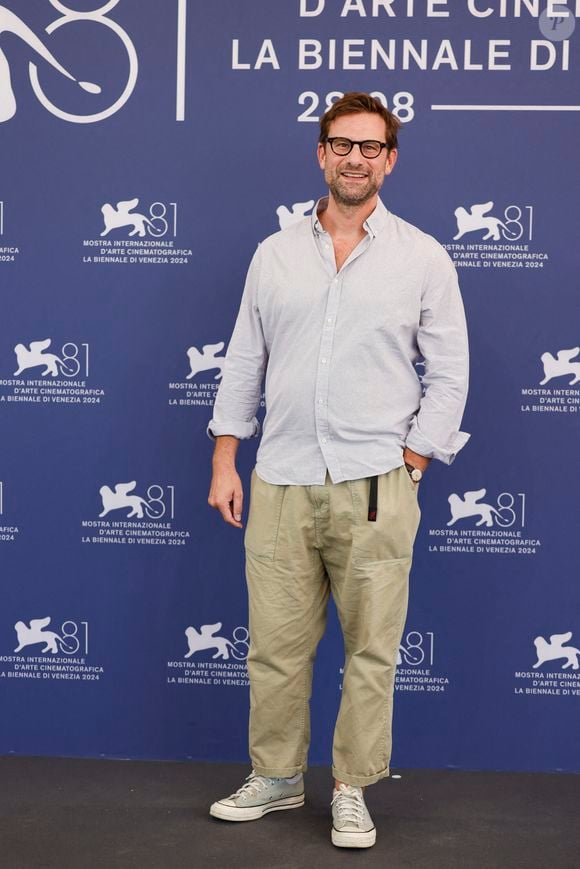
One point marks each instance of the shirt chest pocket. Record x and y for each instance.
(388, 306)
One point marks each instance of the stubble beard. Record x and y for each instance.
(344, 195)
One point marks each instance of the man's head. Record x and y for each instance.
(360, 103)
(354, 176)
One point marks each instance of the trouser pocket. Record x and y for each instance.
(263, 525)
(392, 535)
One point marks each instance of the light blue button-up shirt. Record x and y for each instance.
(338, 351)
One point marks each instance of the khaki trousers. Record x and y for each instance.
(302, 542)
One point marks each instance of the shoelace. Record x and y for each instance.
(252, 786)
(349, 804)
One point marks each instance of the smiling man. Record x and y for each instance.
(337, 310)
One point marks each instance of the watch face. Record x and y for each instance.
(416, 474)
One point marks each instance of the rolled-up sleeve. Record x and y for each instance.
(442, 341)
(238, 396)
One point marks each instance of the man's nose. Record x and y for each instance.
(356, 156)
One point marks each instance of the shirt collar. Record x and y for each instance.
(377, 221)
(374, 223)
(320, 206)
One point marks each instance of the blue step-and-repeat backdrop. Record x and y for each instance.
(147, 148)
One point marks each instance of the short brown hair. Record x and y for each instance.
(355, 103)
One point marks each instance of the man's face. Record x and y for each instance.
(355, 179)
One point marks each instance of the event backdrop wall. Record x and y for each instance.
(147, 148)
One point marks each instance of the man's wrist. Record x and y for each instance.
(415, 459)
(224, 454)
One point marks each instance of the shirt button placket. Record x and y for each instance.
(322, 427)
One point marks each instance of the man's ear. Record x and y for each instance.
(391, 160)
(321, 154)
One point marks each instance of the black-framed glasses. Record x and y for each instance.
(370, 148)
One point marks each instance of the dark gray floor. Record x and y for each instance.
(94, 814)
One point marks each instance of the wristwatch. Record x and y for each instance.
(414, 473)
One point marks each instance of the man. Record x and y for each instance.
(336, 311)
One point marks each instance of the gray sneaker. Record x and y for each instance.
(352, 826)
(258, 796)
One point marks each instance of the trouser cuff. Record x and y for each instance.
(279, 771)
(359, 780)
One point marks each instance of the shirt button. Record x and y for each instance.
(323, 361)
(329, 320)
(320, 401)
(323, 440)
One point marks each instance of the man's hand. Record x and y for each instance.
(226, 493)
(227, 496)
(416, 460)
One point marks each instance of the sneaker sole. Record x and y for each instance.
(254, 813)
(354, 840)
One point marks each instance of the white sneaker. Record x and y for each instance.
(258, 796)
(352, 825)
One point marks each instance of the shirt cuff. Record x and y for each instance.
(422, 445)
(237, 429)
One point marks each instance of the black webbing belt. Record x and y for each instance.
(372, 517)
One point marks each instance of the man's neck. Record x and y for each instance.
(346, 220)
